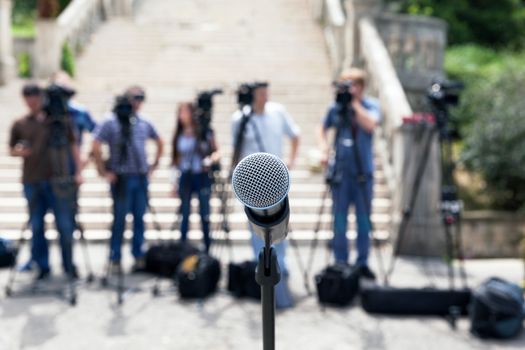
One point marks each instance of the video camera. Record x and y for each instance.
(343, 96)
(203, 109)
(443, 93)
(246, 90)
(55, 101)
(124, 113)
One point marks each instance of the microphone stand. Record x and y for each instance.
(268, 274)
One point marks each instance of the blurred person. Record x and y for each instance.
(81, 122)
(364, 118)
(127, 171)
(30, 139)
(268, 125)
(192, 158)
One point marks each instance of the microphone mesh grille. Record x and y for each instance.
(261, 180)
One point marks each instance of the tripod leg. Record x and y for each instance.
(407, 212)
(461, 254)
(299, 259)
(13, 270)
(314, 242)
(120, 285)
(450, 255)
(85, 252)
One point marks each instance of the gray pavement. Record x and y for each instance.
(221, 322)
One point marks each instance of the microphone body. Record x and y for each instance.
(261, 182)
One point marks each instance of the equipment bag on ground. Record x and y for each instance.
(7, 253)
(241, 280)
(337, 284)
(415, 301)
(497, 310)
(198, 276)
(163, 259)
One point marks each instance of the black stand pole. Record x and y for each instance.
(268, 274)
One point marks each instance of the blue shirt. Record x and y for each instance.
(191, 153)
(135, 161)
(82, 120)
(345, 154)
(270, 128)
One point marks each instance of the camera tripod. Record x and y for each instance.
(65, 191)
(450, 204)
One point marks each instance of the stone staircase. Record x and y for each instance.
(174, 49)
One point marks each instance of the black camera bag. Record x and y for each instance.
(497, 310)
(415, 301)
(241, 280)
(337, 284)
(7, 254)
(198, 276)
(164, 258)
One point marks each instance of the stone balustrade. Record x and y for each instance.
(75, 25)
(6, 42)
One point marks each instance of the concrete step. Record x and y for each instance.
(237, 220)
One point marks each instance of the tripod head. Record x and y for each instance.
(443, 94)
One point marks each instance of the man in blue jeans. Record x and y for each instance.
(31, 139)
(127, 171)
(268, 126)
(353, 167)
(82, 122)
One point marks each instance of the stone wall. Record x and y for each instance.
(489, 234)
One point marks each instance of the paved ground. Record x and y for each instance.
(224, 323)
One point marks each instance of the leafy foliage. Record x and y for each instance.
(494, 23)
(495, 143)
(67, 62)
(24, 65)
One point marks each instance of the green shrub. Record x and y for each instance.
(68, 60)
(494, 23)
(24, 65)
(494, 146)
(477, 67)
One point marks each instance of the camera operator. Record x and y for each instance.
(265, 130)
(193, 156)
(126, 132)
(30, 139)
(81, 122)
(363, 115)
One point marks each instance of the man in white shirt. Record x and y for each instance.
(265, 130)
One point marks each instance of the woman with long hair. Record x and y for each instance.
(193, 153)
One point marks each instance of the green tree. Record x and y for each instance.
(494, 23)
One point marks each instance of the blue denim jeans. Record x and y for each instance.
(350, 191)
(41, 198)
(130, 195)
(283, 297)
(199, 184)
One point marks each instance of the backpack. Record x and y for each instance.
(241, 280)
(198, 276)
(8, 253)
(497, 310)
(164, 258)
(337, 284)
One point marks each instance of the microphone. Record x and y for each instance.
(261, 182)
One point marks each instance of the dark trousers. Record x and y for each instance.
(130, 195)
(41, 198)
(350, 191)
(200, 184)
